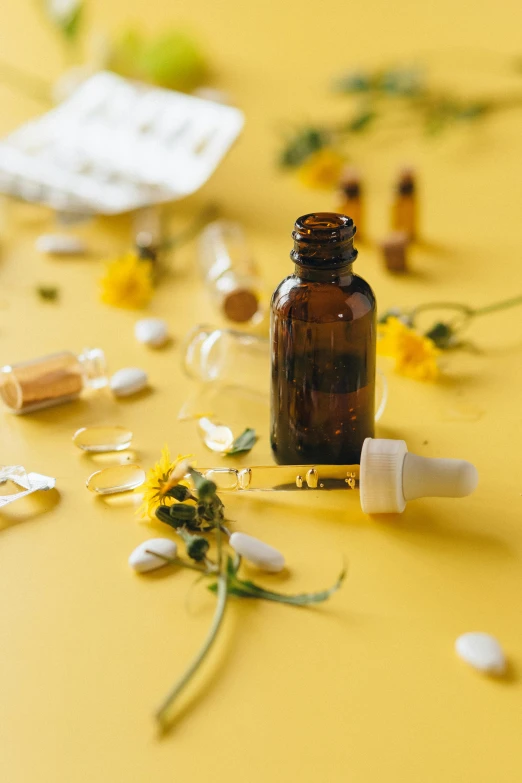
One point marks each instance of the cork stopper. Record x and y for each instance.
(350, 182)
(394, 249)
(240, 305)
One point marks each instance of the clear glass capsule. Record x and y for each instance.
(102, 439)
(216, 437)
(119, 478)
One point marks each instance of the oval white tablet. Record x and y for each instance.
(128, 381)
(482, 651)
(142, 559)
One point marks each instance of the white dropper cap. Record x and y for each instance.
(390, 476)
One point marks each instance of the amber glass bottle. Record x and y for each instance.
(323, 349)
(404, 207)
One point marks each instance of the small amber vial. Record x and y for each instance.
(351, 198)
(323, 349)
(51, 380)
(404, 217)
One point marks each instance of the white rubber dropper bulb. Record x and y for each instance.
(390, 476)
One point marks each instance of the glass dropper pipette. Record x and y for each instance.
(387, 477)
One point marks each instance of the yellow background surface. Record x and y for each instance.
(367, 687)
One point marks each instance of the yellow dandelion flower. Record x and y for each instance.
(415, 355)
(127, 282)
(165, 474)
(322, 169)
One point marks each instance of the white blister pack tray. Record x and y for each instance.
(117, 145)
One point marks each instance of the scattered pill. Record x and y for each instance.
(60, 244)
(151, 331)
(119, 478)
(100, 439)
(142, 560)
(128, 381)
(481, 651)
(257, 552)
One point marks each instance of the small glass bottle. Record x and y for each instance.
(229, 272)
(51, 380)
(323, 349)
(351, 198)
(404, 208)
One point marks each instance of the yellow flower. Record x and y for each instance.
(165, 474)
(415, 355)
(322, 169)
(127, 282)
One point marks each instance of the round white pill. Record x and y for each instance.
(151, 331)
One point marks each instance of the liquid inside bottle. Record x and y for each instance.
(323, 349)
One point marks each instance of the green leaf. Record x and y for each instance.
(361, 121)
(305, 142)
(244, 588)
(243, 442)
(49, 293)
(71, 26)
(353, 83)
(442, 335)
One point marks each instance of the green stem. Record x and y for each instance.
(162, 714)
(222, 594)
(178, 561)
(516, 300)
(468, 312)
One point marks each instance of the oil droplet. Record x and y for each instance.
(119, 478)
(216, 437)
(244, 478)
(102, 439)
(312, 478)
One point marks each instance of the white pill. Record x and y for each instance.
(481, 651)
(60, 244)
(257, 552)
(128, 381)
(142, 560)
(151, 331)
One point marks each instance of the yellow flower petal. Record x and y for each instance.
(127, 282)
(159, 481)
(415, 355)
(322, 169)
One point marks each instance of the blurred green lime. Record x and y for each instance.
(173, 59)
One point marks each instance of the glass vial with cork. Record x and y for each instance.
(229, 272)
(51, 380)
(323, 348)
(351, 198)
(404, 217)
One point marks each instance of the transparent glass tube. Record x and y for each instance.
(232, 358)
(51, 380)
(285, 477)
(230, 274)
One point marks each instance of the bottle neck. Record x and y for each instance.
(340, 275)
(323, 246)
